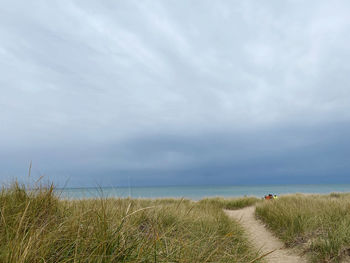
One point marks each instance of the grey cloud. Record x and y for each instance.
(152, 87)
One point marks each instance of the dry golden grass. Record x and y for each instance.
(320, 224)
(36, 226)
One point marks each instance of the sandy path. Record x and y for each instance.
(262, 239)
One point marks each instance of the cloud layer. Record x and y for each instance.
(175, 92)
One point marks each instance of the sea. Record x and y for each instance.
(199, 192)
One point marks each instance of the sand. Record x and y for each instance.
(262, 239)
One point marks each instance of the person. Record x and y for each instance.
(270, 197)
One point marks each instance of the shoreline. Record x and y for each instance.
(199, 192)
(176, 198)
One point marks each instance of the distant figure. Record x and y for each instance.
(270, 197)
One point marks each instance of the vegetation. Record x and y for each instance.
(320, 224)
(36, 226)
(231, 203)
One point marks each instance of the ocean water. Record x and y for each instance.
(198, 192)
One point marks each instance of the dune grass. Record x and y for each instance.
(319, 224)
(231, 203)
(36, 226)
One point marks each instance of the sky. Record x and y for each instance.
(175, 92)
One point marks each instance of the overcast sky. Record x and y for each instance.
(175, 92)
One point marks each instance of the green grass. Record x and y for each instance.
(231, 203)
(319, 224)
(36, 226)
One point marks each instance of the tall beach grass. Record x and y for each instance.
(36, 226)
(231, 203)
(319, 224)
